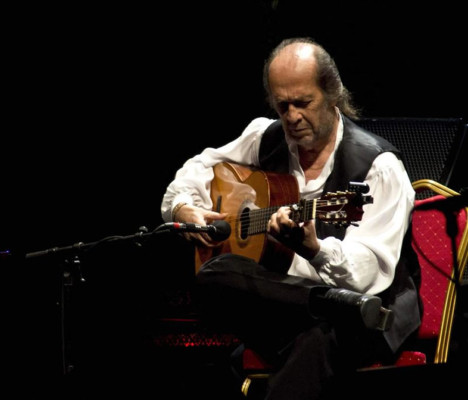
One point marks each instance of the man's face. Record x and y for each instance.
(306, 115)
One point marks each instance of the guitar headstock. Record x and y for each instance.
(338, 208)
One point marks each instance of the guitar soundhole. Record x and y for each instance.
(244, 223)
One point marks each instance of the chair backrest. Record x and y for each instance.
(430, 146)
(441, 272)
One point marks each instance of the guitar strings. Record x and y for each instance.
(255, 220)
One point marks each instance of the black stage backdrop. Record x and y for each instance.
(104, 103)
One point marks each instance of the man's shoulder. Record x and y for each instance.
(353, 127)
(261, 124)
(355, 133)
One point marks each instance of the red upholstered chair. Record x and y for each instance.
(435, 250)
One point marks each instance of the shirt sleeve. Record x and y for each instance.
(365, 260)
(193, 180)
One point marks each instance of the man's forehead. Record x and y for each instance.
(304, 51)
(298, 51)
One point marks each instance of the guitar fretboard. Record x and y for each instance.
(331, 209)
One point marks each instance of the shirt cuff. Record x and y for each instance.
(181, 198)
(323, 256)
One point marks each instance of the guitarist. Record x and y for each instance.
(278, 313)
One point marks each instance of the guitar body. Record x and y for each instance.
(236, 190)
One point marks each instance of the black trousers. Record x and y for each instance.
(285, 320)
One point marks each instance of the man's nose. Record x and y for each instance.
(293, 115)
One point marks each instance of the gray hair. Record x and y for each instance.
(328, 77)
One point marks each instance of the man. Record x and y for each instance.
(272, 308)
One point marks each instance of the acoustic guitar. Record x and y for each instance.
(249, 197)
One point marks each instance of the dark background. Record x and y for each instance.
(103, 104)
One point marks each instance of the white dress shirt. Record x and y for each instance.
(366, 258)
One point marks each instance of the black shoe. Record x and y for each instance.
(347, 305)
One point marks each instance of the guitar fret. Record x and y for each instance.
(305, 210)
(258, 220)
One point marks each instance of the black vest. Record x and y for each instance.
(353, 159)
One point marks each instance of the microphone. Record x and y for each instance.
(453, 203)
(219, 230)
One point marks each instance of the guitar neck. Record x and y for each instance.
(340, 208)
(258, 218)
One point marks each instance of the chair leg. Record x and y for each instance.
(255, 386)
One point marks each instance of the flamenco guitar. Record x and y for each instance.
(250, 196)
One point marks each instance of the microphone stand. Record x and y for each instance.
(71, 272)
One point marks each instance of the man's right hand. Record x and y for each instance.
(196, 215)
